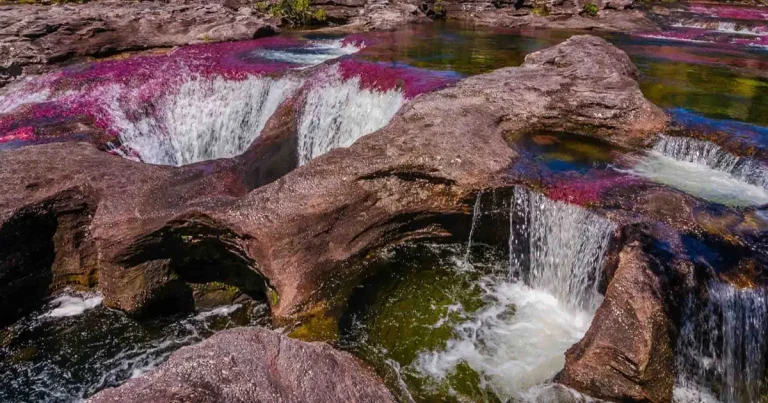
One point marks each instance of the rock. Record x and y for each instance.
(628, 352)
(407, 180)
(156, 228)
(35, 38)
(254, 365)
(613, 15)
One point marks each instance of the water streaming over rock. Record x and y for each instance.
(566, 248)
(705, 170)
(517, 340)
(473, 226)
(713, 156)
(337, 112)
(204, 118)
(722, 346)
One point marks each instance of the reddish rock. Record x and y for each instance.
(155, 228)
(254, 365)
(628, 352)
(33, 38)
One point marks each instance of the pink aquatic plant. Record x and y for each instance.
(590, 189)
(731, 12)
(387, 76)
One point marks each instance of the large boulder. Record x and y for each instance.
(254, 365)
(156, 227)
(628, 352)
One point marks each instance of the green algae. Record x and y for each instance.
(412, 306)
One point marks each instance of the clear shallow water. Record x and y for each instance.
(74, 347)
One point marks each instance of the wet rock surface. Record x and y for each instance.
(409, 180)
(254, 365)
(628, 352)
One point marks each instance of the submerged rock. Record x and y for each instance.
(254, 365)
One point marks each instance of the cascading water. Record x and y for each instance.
(203, 119)
(722, 347)
(518, 339)
(705, 170)
(473, 226)
(337, 112)
(713, 156)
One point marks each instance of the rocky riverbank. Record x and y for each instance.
(37, 38)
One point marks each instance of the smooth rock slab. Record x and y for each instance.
(254, 365)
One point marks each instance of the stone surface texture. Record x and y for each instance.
(250, 365)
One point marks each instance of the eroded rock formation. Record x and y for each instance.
(254, 365)
(409, 180)
(292, 235)
(628, 352)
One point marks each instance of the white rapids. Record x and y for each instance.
(704, 169)
(518, 339)
(337, 112)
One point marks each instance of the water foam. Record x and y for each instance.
(316, 53)
(71, 358)
(722, 347)
(73, 304)
(518, 339)
(337, 112)
(204, 118)
(705, 170)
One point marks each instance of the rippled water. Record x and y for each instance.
(75, 347)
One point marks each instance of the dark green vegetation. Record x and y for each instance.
(296, 12)
(590, 9)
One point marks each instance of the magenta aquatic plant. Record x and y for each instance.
(589, 190)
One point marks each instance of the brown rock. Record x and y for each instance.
(156, 228)
(254, 365)
(32, 38)
(628, 352)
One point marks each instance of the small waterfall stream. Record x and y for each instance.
(722, 347)
(517, 340)
(203, 119)
(713, 156)
(473, 226)
(337, 112)
(705, 170)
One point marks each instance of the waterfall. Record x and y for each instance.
(337, 112)
(204, 118)
(475, 217)
(713, 156)
(517, 340)
(704, 169)
(566, 248)
(722, 347)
